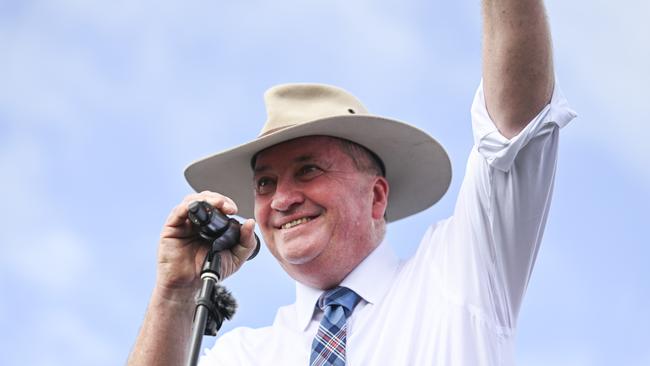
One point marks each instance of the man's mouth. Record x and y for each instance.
(296, 222)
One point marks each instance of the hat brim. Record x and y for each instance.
(418, 169)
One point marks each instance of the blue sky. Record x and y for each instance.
(103, 104)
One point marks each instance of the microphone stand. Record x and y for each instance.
(212, 306)
(214, 302)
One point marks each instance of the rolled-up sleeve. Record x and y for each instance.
(491, 241)
(499, 151)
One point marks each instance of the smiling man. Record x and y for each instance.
(323, 179)
(302, 206)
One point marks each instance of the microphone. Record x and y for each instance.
(217, 228)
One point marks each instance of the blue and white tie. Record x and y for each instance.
(328, 347)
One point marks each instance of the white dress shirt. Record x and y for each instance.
(455, 302)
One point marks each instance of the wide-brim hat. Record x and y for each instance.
(417, 167)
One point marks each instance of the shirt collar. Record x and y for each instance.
(370, 280)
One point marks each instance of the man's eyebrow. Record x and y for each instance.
(261, 168)
(299, 159)
(303, 158)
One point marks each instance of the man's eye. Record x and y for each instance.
(309, 170)
(264, 185)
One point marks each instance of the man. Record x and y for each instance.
(327, 176)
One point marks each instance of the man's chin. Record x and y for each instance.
(299, 255)
(298, 250)
(297, 259)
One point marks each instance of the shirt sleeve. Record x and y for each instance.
(499, 151)
(484, 253)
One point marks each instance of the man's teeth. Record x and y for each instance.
(297, 222)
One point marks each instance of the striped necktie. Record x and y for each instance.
(328, 347)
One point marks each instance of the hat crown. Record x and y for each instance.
(293, 104)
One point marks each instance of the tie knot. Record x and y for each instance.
(341, 296)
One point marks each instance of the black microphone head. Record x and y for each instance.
(224, 301)
(199, 212)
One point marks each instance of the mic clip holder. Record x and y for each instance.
(209, 299)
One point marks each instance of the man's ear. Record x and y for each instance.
(380, 190)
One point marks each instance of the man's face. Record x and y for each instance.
(318, 214)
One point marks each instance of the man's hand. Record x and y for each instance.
(165, 332)
(181, 250)
(517, 62)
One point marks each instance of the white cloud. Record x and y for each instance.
(73, 333)
(604, 49)
(60, 337)
(54, 260)
(21, 163)
(48, 260)
(37, 246)
(47, 83)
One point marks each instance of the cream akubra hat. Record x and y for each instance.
(417, 167)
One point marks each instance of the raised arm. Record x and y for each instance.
(517, 62)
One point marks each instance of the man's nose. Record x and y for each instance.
(286, 196)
